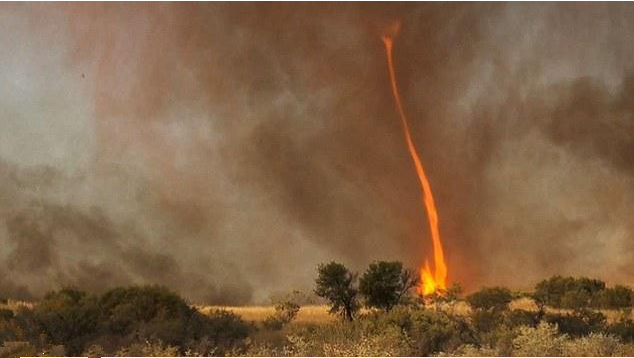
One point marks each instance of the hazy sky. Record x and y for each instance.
(224, 150)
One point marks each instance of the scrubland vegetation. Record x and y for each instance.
(376, 314)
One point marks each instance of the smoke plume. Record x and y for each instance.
(224, 150)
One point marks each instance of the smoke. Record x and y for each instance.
(224, 150)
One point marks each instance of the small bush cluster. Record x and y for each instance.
(575, 293)
(122, 317)
(286, 310)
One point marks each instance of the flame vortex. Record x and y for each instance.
(436, 282)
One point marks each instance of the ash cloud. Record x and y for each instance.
(224, 150)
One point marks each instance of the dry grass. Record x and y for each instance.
(524, 303)
(307, 314)
(529, 305)
(14, 305)
(318, 314)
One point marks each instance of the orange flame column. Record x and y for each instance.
(438, 281)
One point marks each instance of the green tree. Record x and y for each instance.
(337, 284)
(384, 284)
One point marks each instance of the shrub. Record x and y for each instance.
(575, 300)
(494, 298)
(486, 321)
(156, 314)
(67, 317)
(389, 342)
(148, 349)
(124, 309)
(431, 331)
(6, 314)
(519, 317)
(470, 350)
(617, 297)
(285, 311)
(11, 331)
(578, 323)
(593, 345)
(501, 338)
(385, 283)
(539, 341)
(125, 316)
(337, 284)
(222, 329)
(567, 292)
(371, 334)
(624, 329)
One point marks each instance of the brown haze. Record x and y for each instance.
(224, 150)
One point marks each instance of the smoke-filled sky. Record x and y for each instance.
(224, 150)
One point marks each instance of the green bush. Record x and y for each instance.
(126, 316)
(494, 298)
(403, 331)
(362, 337)
(148, 349)
(67, 317)
(155, 314)
(519, 317)
(124, 309)
(431, 331)
(576, 300)
(593, 345)
(222, 329)
(617, 297)
(624, 329)
(578, 323)
(540, 341)
(567, 292)
(486, 321)
(285, 311)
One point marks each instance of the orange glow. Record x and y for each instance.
(436, 283)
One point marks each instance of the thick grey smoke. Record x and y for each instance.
(224, 150)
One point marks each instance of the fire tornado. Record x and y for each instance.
(436, 282)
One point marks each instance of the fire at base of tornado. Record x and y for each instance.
(436, 282)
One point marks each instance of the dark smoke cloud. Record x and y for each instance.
(225, 150)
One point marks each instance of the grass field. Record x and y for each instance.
(318, 314)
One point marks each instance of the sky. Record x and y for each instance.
(224, 150)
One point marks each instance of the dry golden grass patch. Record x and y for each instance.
(317, 314)
(523, 303)
(14, 305)
(307, 314)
